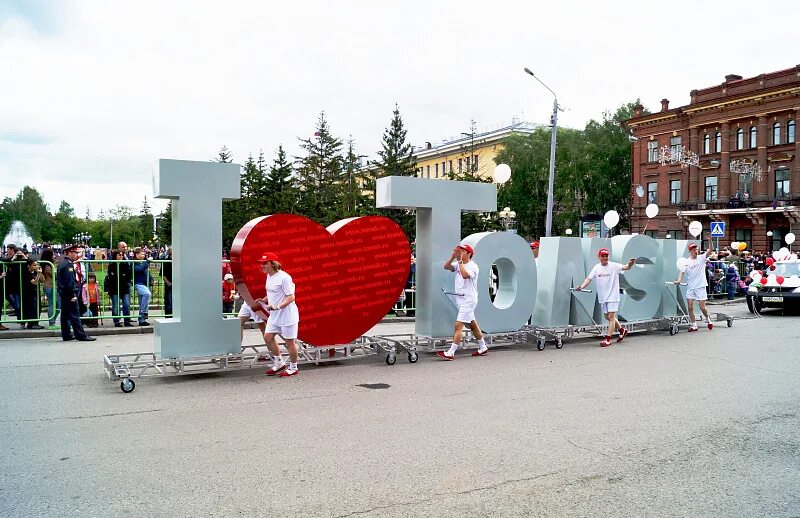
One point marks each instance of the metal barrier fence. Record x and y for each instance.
(117, 296)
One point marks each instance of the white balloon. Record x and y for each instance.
(755, 276)
(793, 257)
(651, 210)
(771, 279)
(611, 218)
(502, 173)
(789, 238)
(640, 191)
(695, 228)
(734, 245)
(682, 263)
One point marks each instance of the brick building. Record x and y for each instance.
(750, 122)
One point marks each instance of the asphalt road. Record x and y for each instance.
(702, 424)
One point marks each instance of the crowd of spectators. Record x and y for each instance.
(27, 282)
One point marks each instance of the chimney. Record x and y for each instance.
(732, 77)
(637, 110)
(664, 105)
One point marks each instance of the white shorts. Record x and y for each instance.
(466, 313)
(287, 332)
(697, 294)
(609, 307)
(247, 311)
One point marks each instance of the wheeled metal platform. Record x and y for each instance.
(129, 367)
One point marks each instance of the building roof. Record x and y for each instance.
(478, 138)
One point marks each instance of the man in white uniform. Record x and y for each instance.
(466, 299)
(696, 284)
(284, 316)
(606, 277)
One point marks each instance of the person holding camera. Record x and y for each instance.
(12, 276)
(32, 278)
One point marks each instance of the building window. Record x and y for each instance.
(652, 151)
(711, 188)
(776, 133)
(740, 138)
(790, 132)
(675, 192)
(777, 239)
(745, 186)
(451, 166)
(651, 233)
(444, 171)
(466, 164)
(782, 182)
(753, 137)
(459, 166)
(436, 169)
(475, 163)
(428, 171)
(652, 192)
(744, 235)
(718, 142)
(706, 144)
(676, 234)
(674, 145)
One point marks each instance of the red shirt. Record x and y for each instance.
(228, 289)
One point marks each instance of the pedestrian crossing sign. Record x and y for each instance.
(717, 228)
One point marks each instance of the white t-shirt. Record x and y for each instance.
(606, 279)
(468, 288)
(696, 273)
(280, 286)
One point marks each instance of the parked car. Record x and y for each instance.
(769, 293)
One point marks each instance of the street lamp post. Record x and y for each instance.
(551, 179)
(508, 217)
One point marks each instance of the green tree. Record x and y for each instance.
(64, 224)
(397, 159)
(356, 200)
(319, 175)
(224, 155)
(592, 174)
(609, 152)
(395, 153)
(29, 208)
(280, 185)
(164, 231)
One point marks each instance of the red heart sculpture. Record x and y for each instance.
(347, 277)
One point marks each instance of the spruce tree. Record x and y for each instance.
(280, 185)
(396, 156)
(224, 156)
(356, 199)
(319, 175)
(397, 160)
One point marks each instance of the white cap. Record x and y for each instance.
(228, 276)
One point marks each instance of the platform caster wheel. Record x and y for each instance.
(559, 343)
(391, 359)
(412, 357)
(673, 330)
(540, 343)
(127, 385)
(730, 322)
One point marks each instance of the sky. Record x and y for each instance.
(93, 93)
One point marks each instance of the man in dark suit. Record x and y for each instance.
(69, 290)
